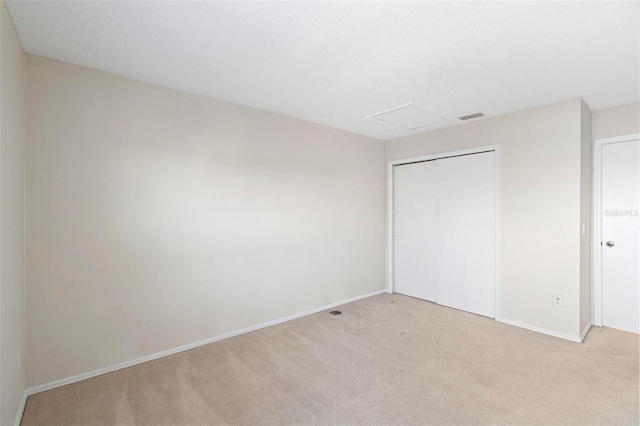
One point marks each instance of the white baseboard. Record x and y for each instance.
(544, 331)
(23, 402)
(584, 332)
(126, 364)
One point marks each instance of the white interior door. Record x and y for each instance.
(466, 233)
(620, 245)
(414, 200)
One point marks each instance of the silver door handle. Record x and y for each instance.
(610, 243)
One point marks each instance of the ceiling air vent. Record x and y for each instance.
(471, 116)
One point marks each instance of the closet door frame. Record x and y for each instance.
(390, 207)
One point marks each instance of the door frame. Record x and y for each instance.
(390, 287)
(596, 230)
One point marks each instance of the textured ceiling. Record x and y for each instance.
(336, 63)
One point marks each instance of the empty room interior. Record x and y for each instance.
(319, 213)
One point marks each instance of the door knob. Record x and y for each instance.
(610, 243)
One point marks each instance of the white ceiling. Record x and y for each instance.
(336, 63)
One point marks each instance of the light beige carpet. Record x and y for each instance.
(388, 359)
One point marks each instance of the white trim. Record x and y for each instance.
(23, 402)
(542, 330)
(390, 230)
(596, 232)
(584, 332)
(498, 237)
(126, 364)
(596, 237)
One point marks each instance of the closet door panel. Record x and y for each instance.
(465, 233)
(415, 229)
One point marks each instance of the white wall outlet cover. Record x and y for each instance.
(557, 300)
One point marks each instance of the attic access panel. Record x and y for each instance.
(409, 117)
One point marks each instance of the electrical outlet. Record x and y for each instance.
(557, 300)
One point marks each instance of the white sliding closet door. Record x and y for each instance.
(415, 229)
(466, 232)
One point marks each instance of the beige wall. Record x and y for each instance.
(158, 218)
(12, 125)
(619, 121)
(586, 166)
(540, 200)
